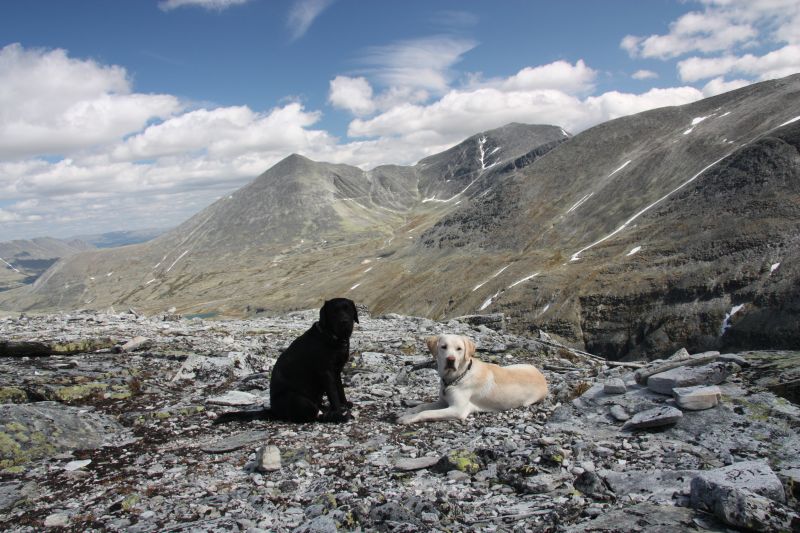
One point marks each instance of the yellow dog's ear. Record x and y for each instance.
(469, 347)
(433, 345)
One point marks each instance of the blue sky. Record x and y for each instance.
(127, 114)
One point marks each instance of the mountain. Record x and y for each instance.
(114, 239)
(23, 261)
(264, 245)
(673, 227)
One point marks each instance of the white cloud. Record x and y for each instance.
(462, 113)
(719, 86)
(775, 64)
(719, 42)
(224, 132)
(302, 15)
(51, 104)
(559, 75)
(644, 75)
(212, 5)
(727, 27)
(7, 216)
(546, 94)
(713, 30)
(697, 68)
(351, 94)
(423, 63)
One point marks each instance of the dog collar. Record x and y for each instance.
(459, 378)
(330, 336)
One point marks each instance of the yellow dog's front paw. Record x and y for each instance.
(405, 419)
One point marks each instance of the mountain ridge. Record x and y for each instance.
(551, 229)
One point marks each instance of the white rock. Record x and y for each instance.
(237, 398)
(136, 343)
(679, 355)
(268, 459)
(615, 386)
(76, 465)
(56, 520)
(619, 413)
(697, 398)
(409, 464)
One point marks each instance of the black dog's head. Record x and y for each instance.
(337, 317)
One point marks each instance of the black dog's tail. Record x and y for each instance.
(245, 416)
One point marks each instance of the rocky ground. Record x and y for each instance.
(106, 425)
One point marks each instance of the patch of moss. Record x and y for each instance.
(464, 460)
(10, 451)
(20, 447)
(13, 395)
(408, 349)
(81, 346)
(191, 410)
(130, 501)
(79, 392)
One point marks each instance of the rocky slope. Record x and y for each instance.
(112, 432)
(23, 261)
(674, 227)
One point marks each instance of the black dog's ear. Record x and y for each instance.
(323, 312)
(355, 311)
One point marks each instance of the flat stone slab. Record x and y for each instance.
(657, 485)
(656, 417)
(410, 464)
(43, 429)
(697, 398)
(746, 495)
(755, 476)
(10, 495)
(234, 442)
(684, 376)
(641, 518)
(238, 398)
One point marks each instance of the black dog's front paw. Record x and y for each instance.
(348, 404)
(336, 416)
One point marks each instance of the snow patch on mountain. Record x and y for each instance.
(795, 119)
(726, 323)
(489, 301)
(526, 278)
(176, 261)
(576, 255)
(10, 265)
(478, 286)
(625, 164)
(577, 204)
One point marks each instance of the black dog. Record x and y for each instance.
(310, 368)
